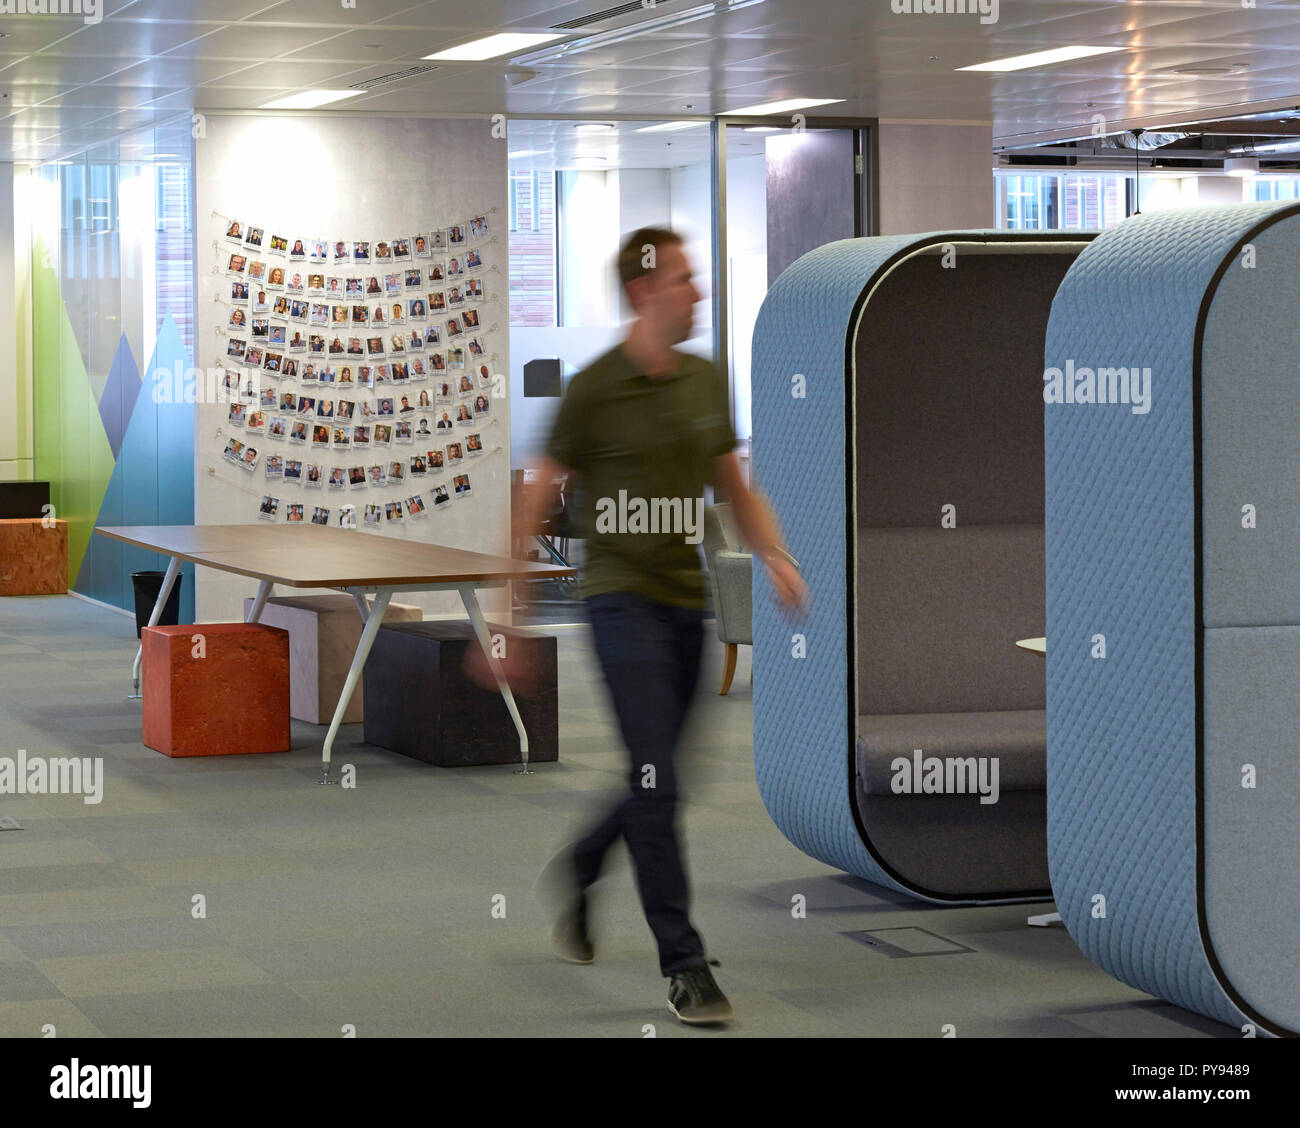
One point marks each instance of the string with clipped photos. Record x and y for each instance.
(277, 409)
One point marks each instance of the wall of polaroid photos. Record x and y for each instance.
(357, 321)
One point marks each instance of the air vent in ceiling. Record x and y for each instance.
(607, 14)
(385, 79)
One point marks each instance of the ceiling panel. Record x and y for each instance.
(204, 11)
(637, 48)
(251, 41)
(495, 14)
(279, 75)
(487, 95)
(33, 34)
(332, 13)
(123, 36)
(171, 71)
(112, 98)
(391, 44)
(56, 117)
(214, 99)
(62, 72)
(238, 54)
(136, 118)
(713, 53)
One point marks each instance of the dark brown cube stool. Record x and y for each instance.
(420, 702)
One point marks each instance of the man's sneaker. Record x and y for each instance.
(557, 888)
(695, 998)
(569, 938)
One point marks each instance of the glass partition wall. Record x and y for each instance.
(577, 190)
(747, 197)
(112, 303)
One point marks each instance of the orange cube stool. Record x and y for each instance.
(216, 689)
(33, 556)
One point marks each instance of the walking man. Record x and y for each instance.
(648, 423)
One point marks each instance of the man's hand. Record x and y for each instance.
(758, 526)
(520, 668)
(790, 588)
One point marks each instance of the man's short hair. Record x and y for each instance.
(632, 256)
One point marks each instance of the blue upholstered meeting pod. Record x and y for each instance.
(1173, 608)
(899, 733)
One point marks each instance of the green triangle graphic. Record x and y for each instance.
(72, 448)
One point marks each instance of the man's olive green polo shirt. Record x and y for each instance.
(644, 448)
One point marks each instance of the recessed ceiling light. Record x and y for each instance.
(589, 162)
(763, 129)
(785, 107)
(593, 127)
(671, 126)
(309, 99)
(494, 45)
(525, 153)
(1040, 58)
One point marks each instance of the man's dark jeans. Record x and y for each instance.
(650, 655)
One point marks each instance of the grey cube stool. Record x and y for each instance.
(421, 703)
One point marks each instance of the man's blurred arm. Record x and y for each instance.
(760, 532)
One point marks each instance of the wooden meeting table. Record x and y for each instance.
(312, 556)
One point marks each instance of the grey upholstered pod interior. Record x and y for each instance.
(948, 411)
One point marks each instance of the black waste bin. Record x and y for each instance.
(148, 586)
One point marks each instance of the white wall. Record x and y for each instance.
(747, 262)
(612, 204)
(15, 297)
(350, 178)
(692, 218)
(578, 345)
(589, 240)
(933, 177)
(644, 198)
(1221, 189)
(1161, 192)
(747, 205)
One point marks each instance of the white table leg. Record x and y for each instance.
(485, 641)
(263, 592)
(360, 600)
(169, 581)
(373, 622)
(1044, 919)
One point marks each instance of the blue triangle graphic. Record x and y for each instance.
(120, 394)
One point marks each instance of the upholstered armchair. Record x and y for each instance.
(731, 578)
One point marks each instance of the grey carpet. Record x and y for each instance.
(373, 907)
